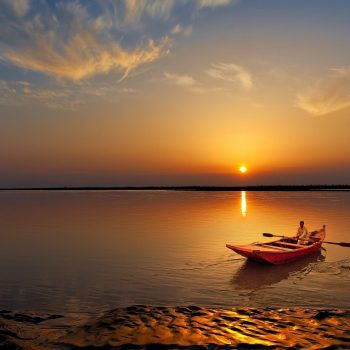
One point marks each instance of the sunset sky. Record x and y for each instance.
(174, 92)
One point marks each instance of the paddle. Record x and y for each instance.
(343, 244)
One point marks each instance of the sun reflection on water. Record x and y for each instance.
(243, 203)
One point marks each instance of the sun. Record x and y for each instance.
(243, 169)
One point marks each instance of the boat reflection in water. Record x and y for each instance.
(254, 275)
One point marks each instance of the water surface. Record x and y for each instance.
(73, 251)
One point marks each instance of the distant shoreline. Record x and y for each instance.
(187, 188)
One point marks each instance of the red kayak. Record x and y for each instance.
(281, 251)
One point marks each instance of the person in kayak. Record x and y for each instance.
(302, 234)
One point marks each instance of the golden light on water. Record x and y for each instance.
(243, 169)
(243, 203)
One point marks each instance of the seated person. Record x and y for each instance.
(302, 234)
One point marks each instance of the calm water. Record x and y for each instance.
(87, 251)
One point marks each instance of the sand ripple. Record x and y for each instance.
(192, 327)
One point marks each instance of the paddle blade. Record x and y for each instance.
(342, 244)
(266, 234)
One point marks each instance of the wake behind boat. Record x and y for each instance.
(282, 250)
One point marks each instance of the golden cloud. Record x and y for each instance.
(328, 95)
(184, 81)
(231, 73)
(82, 56)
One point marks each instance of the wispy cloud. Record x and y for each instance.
(232, 73)
(17, 92)
(329, 95)
(184, 81)
(82, 56)
(19, 7)
(213, 3)
(78, 39)
(135, 9)
(75, 41)
(178, 29)
(71, 44)
(71, 97)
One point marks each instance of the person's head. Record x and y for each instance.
(301, 223)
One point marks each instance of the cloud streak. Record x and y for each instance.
(77, 40)
(329, 95)
(71, 97)
(232, 73)
(73, 45)
(19, 7)
(81, 57)
(17, 92)
(74, 42)
(213, 3)
(135, 9)
(183, 81)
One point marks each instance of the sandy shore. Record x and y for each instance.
(192, 327)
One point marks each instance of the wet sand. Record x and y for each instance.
(192, 327)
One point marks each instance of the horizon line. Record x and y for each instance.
(186, 188)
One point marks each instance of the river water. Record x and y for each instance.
(82, 251)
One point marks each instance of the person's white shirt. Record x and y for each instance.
(302, 235)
